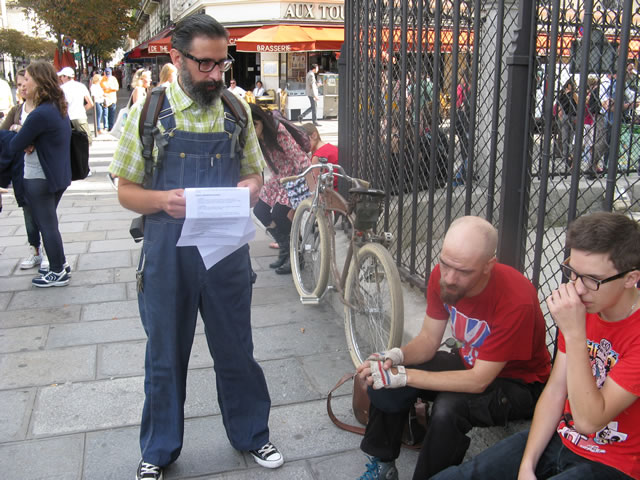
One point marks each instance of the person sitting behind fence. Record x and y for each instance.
(587, 421)
(494, 375)
(321, 149)
(285, 158)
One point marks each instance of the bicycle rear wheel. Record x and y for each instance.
(374, 316)
(309, 251)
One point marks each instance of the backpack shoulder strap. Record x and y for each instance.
(239, 114)
(146, 126)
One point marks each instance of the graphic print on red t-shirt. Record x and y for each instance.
(470, 332)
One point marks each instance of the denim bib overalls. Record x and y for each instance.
(175, 285)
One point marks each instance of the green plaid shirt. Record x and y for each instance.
(189, 116)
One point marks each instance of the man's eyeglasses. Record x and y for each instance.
(589, 283)
(206, 65)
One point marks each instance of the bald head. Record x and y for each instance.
(474, 236)
(467, 258)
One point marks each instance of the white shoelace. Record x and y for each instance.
(267, 450)
(148, 468)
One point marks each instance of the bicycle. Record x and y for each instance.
(369, 283)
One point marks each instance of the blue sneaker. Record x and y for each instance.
(52, 279)
(44, 267)
(378, 470)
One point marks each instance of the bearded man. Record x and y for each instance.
(173, 282)
(495, 374)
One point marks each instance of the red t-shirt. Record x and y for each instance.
(330, 152)
(503, 323)
(614, 351)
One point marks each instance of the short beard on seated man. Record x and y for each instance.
(203, 93)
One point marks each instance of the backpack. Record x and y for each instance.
(150, 133)
(299, 135)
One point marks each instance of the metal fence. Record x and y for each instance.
(458, 107)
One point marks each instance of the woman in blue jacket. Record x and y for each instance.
(45, 137)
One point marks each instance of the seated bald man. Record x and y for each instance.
(494, 375)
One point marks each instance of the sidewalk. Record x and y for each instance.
(71, 360)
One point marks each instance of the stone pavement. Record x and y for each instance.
(71, 360)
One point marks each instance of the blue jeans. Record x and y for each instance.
(43, 205)
(110, 116)
(33, 234)
(101, 116)
(502, 460)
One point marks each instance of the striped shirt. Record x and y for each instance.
(128, 162)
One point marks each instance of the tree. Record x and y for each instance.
(18, 45)
(92, 23)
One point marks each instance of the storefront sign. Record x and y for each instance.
(157, 49)
(305, 11)
(274, 48)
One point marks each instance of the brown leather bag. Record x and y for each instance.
(415, 426)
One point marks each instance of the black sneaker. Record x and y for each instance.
(148, 471)
(52, 279)
(268, 456)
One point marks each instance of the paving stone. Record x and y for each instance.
(119, 234)
(112, 454)
(121, 359)
(51, 458)
(7, 230)
(289, 471)
(83, 236)
(61, 210)
(111, 225)
(119, 214)
(86, 333)
(75, 247)
(22, 338)
(206, 450)
(6, 266)
(125, 274)
(110, 310)
(18, 318)
(132, 290)
(288, 383)
(91, 277)
(25, 369)
(56, 297)
(351, 464)
(325, 369)
(261, 264)
(271, 295)
(12, 241)
(4, 302)
(95, 261)
(110, 245)
(15, 411)
(86, 406)
(16, 283)
(269, 278)
(283, 341)
(202, 394)
(113, 207)
(71, 227)
(282, 313)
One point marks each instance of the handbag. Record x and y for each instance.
(118, 126)
(79, 154)
(415, 425)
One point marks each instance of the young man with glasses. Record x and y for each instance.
(173, 283)
(587, 421)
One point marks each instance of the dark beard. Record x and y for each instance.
(450, 297)
(203, 93)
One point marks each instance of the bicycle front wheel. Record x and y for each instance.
(309, 251)
(374, 314)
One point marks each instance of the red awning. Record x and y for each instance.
(291, 38)
(159, 47)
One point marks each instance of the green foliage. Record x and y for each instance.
(17, 44)
(98, 25)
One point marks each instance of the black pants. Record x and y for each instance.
(277, 215)
(452, 416)
(43, 205)
(311, 109)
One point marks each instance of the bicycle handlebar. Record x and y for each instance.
(331, 167)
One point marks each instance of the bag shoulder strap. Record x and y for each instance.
(239, 136)
(332, 416)
(146, 126)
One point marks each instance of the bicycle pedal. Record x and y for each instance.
(310, 300)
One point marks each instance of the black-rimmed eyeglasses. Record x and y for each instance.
(205, 65)
(589, 282)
